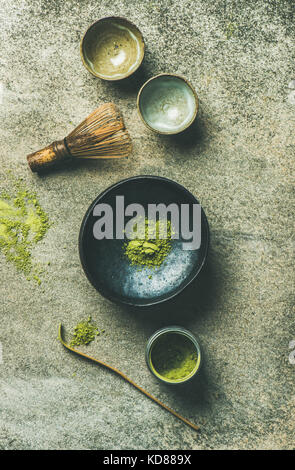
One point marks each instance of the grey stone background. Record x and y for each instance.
(238, 159)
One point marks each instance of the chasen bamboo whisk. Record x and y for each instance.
(101, 135)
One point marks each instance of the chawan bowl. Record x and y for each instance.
(167, 104)
(111, 273)
(112, 48)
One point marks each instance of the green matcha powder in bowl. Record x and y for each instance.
(173, 355)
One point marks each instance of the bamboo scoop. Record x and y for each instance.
(184, 420)
(101, 135)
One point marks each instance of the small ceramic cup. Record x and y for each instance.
(169, 334)
(167, 104)
(112, 48)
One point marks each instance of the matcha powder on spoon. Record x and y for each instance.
(84, 333)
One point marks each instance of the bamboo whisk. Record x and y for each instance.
(101, 135)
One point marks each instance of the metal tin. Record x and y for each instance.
(175, 330)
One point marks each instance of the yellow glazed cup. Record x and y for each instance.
(112, 48)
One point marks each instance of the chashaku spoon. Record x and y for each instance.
(184, 420)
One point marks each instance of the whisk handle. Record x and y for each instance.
(47, 157)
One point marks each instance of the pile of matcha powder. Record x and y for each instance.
(152, 247)
(23, 223)
(84, 333)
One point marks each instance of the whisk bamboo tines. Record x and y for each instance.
(101, 135)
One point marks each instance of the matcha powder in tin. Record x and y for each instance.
(174, 356)
(23, 223)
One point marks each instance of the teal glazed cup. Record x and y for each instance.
(172, 335)
(167, 104)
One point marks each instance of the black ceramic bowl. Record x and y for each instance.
(111, 273)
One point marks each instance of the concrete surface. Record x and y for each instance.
(238, 159)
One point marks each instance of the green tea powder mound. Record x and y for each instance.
(23, 223)
(152, 247)
(84, 333)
